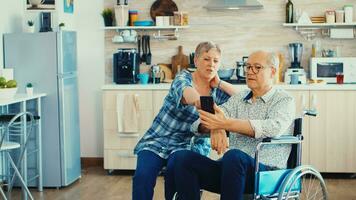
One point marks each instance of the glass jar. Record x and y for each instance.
(330, 16)
(339, 16)
(133, 16)
(349, 10)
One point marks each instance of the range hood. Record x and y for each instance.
(233, 5)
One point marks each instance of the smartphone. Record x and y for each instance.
(207, 104)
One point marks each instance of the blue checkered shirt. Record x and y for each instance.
(170, 130)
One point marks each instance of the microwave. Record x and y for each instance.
(326, 69)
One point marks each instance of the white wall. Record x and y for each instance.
(87, 21)
(91, 75)
(10, 21)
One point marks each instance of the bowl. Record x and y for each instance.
(226, 73)
(7, 93)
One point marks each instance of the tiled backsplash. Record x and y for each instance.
(237, 32)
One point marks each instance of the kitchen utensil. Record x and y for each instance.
(157, 74)
(149, 55)
(225, 73)
(144, 52)
(167, 70)
(179, 61)
(163, 8)
(139, 49)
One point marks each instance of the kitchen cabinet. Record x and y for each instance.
(118, 146)
(158, 98)
(328, 138)
(333, 131)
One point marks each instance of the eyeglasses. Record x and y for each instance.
(255, 68)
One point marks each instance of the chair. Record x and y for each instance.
(297, 181)
(15, 128)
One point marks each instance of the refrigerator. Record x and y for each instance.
(49, 61)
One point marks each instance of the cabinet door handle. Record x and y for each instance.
(131, 135)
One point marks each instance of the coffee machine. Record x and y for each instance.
(126, 66)
(295, 74)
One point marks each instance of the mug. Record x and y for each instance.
(125, 33)
(143, 78)
(36, 2)
(117, 38)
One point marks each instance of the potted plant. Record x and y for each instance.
(108, 15)
(61, 25)
(30, 26)
(29, 89)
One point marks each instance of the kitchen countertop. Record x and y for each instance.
(166, 86)
(20, 97)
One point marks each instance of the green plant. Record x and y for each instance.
(61, 24)
(29, 85)
(107, 12)
(30, 23)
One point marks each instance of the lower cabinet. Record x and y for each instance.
(118, 146)
(329, 138)
(333, 131)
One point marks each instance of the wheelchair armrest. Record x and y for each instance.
(284, 139)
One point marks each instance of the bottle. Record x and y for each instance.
(289, 12)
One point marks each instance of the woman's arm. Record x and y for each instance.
(228, 88)
(191, 97)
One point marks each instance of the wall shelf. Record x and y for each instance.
(309, 31)
(144, 27)
(158, 35)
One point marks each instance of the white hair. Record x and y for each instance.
(273, 60)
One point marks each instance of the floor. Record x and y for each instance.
(96, 184)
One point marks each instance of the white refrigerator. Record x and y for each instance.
(48, 61)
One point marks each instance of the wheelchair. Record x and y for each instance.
(297, 182)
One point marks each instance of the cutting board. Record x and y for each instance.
(163, 8)
(179, 61)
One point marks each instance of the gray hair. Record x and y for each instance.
(273, 60)
(205, 47)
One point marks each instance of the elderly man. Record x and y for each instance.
(259, 112)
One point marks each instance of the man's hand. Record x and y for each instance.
(214, 83)
(219, 141)
(213, 121)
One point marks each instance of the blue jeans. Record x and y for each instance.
(232, 176)
(148, 167)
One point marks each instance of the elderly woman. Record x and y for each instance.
(170, 130)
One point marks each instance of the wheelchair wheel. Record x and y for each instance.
(303, 183)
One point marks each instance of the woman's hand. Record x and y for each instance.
(214, 83)
(219, 141)
(213, 121)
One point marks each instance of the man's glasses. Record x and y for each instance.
(255, 68)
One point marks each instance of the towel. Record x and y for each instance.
(127, 113)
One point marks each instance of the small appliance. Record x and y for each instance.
(326, 68)
(45, 22)
(295, 70)
(126, 66)
(240, 71)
